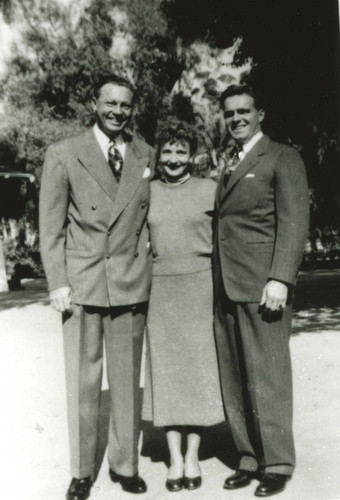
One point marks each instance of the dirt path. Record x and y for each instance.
(34, 458)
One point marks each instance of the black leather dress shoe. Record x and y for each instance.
(270, 484)
(192, 483)
(131, 484)
(239, 479)
(79, 489)
(174, 484)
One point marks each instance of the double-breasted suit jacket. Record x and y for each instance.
(94, 239)
(93, 236)
(262, 225)
(262, 222)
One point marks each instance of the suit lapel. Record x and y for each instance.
(249, 162)
(219, 189)
(133, 169)
(92, 158)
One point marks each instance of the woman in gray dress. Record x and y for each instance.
(182, 383)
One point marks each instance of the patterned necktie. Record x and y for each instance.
(232, 163)
(235, 159)
(115, 160)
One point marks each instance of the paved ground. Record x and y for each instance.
(34, 454)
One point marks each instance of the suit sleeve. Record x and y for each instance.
(292, 216)
(53, 207)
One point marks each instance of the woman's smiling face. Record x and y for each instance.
(175, 158)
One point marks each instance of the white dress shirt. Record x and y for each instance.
(250, 144)
(104, 141)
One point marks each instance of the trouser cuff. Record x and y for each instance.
(286, 470)
(248, 463)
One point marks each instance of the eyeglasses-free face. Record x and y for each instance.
(175, 158)
(242, 118)
(113, 108)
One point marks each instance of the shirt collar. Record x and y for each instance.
(250, 144)
(104, 140)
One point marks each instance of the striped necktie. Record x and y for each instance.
(115, 160)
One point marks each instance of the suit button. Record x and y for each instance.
(138, 232)
(136, 254)
(143, 205)
(94, 207)
(109, 233)
(108, 256)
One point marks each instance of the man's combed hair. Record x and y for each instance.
(175, 130)
(109, 77)
(241, 89)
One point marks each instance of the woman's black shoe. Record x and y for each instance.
(79, 489)
(192, 483)
(174, 484)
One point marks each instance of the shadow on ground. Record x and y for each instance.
(216, 440)
(32, 292)
(314, 320)
(317, 301)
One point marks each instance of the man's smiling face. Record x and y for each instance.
(113, 108)
(242, 118)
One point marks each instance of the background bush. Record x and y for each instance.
(162, 45)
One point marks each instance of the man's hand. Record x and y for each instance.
(274, 296)
(61, 299)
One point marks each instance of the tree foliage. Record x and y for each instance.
(46, 92)
(64, 57)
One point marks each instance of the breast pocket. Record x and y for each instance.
(248, 194)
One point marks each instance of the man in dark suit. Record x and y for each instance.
(262, 207)
(94, 242)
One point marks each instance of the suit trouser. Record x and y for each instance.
(256, 379)
(122, 329)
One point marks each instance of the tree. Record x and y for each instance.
(174, 52)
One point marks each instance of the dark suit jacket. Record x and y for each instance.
(263, 219)
(93, 235)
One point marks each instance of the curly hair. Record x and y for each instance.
(175, 130)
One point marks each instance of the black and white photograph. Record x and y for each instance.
(170, 249)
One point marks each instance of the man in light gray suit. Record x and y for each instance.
(262, 208)
(94, 242)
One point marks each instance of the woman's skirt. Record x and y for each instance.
(182, 384)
